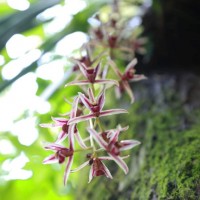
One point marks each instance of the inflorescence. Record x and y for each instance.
(96, 72)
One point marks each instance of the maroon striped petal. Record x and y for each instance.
(131, 65)
(59, 120)
(115, 68)
(85, 101)
(90, 174)
(138, 77)
(97, 69)
(114, 136)
(120, 163)
(80, 140)
(63, 135)
(107, 171)
(128, 144)
(91, 95)
(128, 90)
(112, 112)
(54, 146)
(101, 100)
(110, 158)
(82, 67)
(98, 138)
(50, 159)
(76, 120)
(67, 169)
(74, 107)
(71, 136)
(71, 146)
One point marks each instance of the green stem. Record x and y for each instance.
(91, 138)
(99, 124)
(93, 89)
(81, 150)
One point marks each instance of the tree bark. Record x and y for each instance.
(165, 118)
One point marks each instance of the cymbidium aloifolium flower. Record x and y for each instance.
(127, 76)
(87, 109)
(95, 107)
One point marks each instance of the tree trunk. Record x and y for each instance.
(165, 118)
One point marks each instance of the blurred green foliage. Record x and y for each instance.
(46, 180)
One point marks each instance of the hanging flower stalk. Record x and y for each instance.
(88, 105)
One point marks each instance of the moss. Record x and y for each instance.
(166, 166)
(172, 165)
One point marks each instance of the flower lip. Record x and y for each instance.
(98, 168)
(65, 128)
(128, 75)
(61, 153)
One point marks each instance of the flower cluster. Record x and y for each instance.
(96, 76)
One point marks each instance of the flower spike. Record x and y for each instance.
(94, 75)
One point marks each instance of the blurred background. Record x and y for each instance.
(36, 38)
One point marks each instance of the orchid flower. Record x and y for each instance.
(98, 168)
(90, 73)
(60, 154)
(128, 76)
(59, 122)
(86, 59)
(113, 147)
(95, 106)
(62, 122)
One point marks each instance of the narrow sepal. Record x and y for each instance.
(128, 90)
(131, 64)
(54, 146)
(107, 171)
(80, 167)
(101, 100)
(67, 169)
(76, 120)
(63, 135)
(138, 77)
(80, 140)
(115, 68)
(120, 163)
(112, 112)
(50, 159)
(128, 144)
(98, 138)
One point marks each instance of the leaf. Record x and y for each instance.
(22, 21)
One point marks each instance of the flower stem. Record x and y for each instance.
(93, 89)
(81, 150)
(91, 138)
(99, 124)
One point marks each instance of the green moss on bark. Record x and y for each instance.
(171, 162)
(166, 166)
